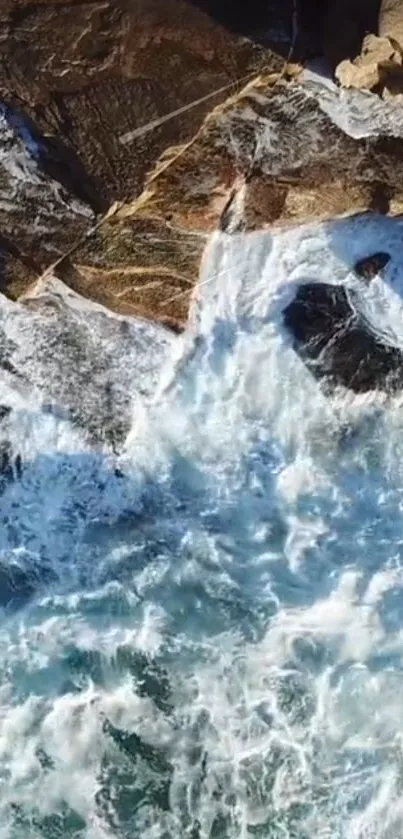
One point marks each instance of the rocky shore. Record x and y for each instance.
(86, 90)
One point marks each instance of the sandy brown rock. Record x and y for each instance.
(378, 66)
(360, 76)
(89, 72)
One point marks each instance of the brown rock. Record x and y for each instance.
(268, 156)
(363, 77)
(88, 73)
(378, 62)
(380, 49)
(265, 156)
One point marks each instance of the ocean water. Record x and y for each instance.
(201, 631)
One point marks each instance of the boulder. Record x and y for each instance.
(361, 76)
(372, 266)
(337, 345)
(378, 62)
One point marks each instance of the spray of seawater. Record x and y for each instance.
(209, 642)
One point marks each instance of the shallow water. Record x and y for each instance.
(203, 633)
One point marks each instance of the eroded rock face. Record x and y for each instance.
(378, 68)
(337, 345)
(268, 156)
(378, 59)
(78, 78)
(89, 73)
(69, 358)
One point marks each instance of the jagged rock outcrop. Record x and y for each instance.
(370, 70)
(77, 78)
(267, 157)
(379, 67)
(90, 73)
(76, 361)
(375, 60)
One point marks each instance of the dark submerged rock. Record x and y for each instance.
(371, 266)
(6, 467)
(336, 344)
(10, 466)
(5, 411)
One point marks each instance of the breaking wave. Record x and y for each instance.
(202, 625)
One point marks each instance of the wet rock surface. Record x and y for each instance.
(337, 345)
(81, 80)
(267, 157)
(371, 266)
(89, 73)
(39, 218)
(78, 364)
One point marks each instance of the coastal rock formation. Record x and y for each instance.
(378, 59)
(375, 61)
(74, 361)
(76, 79)
(102, 190)
(267, 157)
(88, 73)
